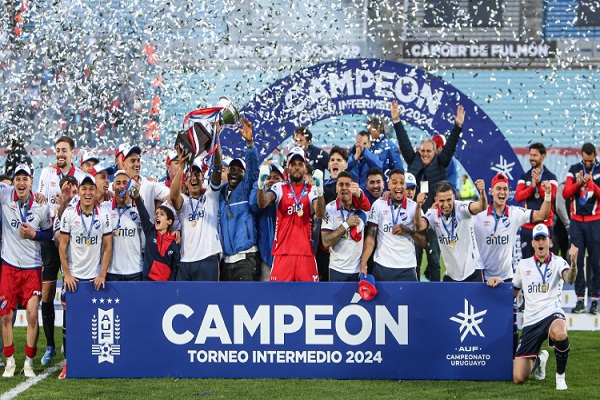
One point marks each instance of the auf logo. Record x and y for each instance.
(469, 321)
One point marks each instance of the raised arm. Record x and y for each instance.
(406, 148)
(570, 274)
(476, 207)
(419, 222)
(542, 214)
(175, 194)
(450, 148)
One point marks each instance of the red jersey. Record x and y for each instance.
(293, 226)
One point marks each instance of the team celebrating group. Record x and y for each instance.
(229, 219)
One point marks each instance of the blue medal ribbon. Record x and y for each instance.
(543, 274)
(496, 218)
(27, 205)
(452, 221)
(395, 216)
(85, 228)
(195, 209)
(297, 201)
(127, 207)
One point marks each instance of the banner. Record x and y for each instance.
(480, 49)
(367, 86)
(290, 330)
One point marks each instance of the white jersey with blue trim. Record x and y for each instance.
(457, 240)
(200, 236)
(127, 239)
(496, 236)
(345, 254)
(385, 216)
(541, 283)
(84, 252)
(17, 251)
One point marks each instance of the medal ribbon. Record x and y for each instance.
(543, 274)
(120, 214)
(195, 209)
(583, 191)
(395, 216)
(496, 218)
(452, 221)
(85, 228)
(303, 194)
(28, 203)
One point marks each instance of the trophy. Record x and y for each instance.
(200, 134)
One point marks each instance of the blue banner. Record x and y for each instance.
(290, 330)
(367, 86)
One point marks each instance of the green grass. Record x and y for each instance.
(582, 377)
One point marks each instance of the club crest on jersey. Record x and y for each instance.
(506, 222)
(96, 224)
(106, 332)
(30, 217)
(133, 215)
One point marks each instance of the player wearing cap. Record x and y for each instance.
(541, 278)
(496, 229)
(198, 214)
(238, 225)
(297, 201)
(391, 224)
(342, 231)
(85, 245)
(496, 232)
(87, 162)
(101, 173)
(126, 263)
(172, 163)
(49, 186)
(453, 225)
(25, 223)
(266, 220)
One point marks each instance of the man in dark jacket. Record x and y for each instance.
(317, 158)
(429, 169)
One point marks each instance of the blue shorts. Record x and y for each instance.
(337, 276)
(385, 274)
(533, 336)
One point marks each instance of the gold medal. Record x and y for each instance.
(229, 214)
(544, 288)
(117, 232)
(300, 212)
(453, 243)
(194, 222)
(88, 242)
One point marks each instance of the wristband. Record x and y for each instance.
(548, 197)
(346, 226)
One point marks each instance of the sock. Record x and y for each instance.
(9, 351)
(536, 363)
(48, 322)
(561, 351)
(30, 351)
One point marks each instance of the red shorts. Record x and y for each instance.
(294, 269)
(18, 285)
